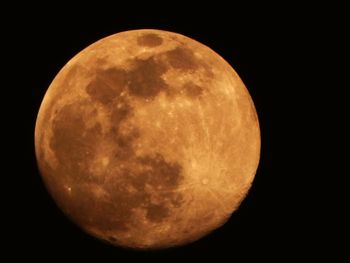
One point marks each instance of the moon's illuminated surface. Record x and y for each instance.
(147, 139)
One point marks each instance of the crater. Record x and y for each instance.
(149, 40)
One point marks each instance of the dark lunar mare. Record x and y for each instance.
(130, 182)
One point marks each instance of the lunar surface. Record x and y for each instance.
(147, 139)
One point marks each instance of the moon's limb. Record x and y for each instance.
(147, 139)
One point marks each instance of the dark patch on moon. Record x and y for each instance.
(92, 211)
(72, 142)
(145, 79)
(192, 90)
(156, 213)
(182, 58)
(146, 176)
(107, 85)
(129, 181)
(124, 146)
(149, 40)
(160, 172)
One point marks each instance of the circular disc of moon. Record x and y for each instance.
(147, 139)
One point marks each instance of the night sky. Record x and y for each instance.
(264, 49)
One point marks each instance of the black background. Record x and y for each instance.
(263, 45)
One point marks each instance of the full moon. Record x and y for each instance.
(147, 139)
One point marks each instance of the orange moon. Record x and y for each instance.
(147, 139)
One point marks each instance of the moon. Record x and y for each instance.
(147, 139)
